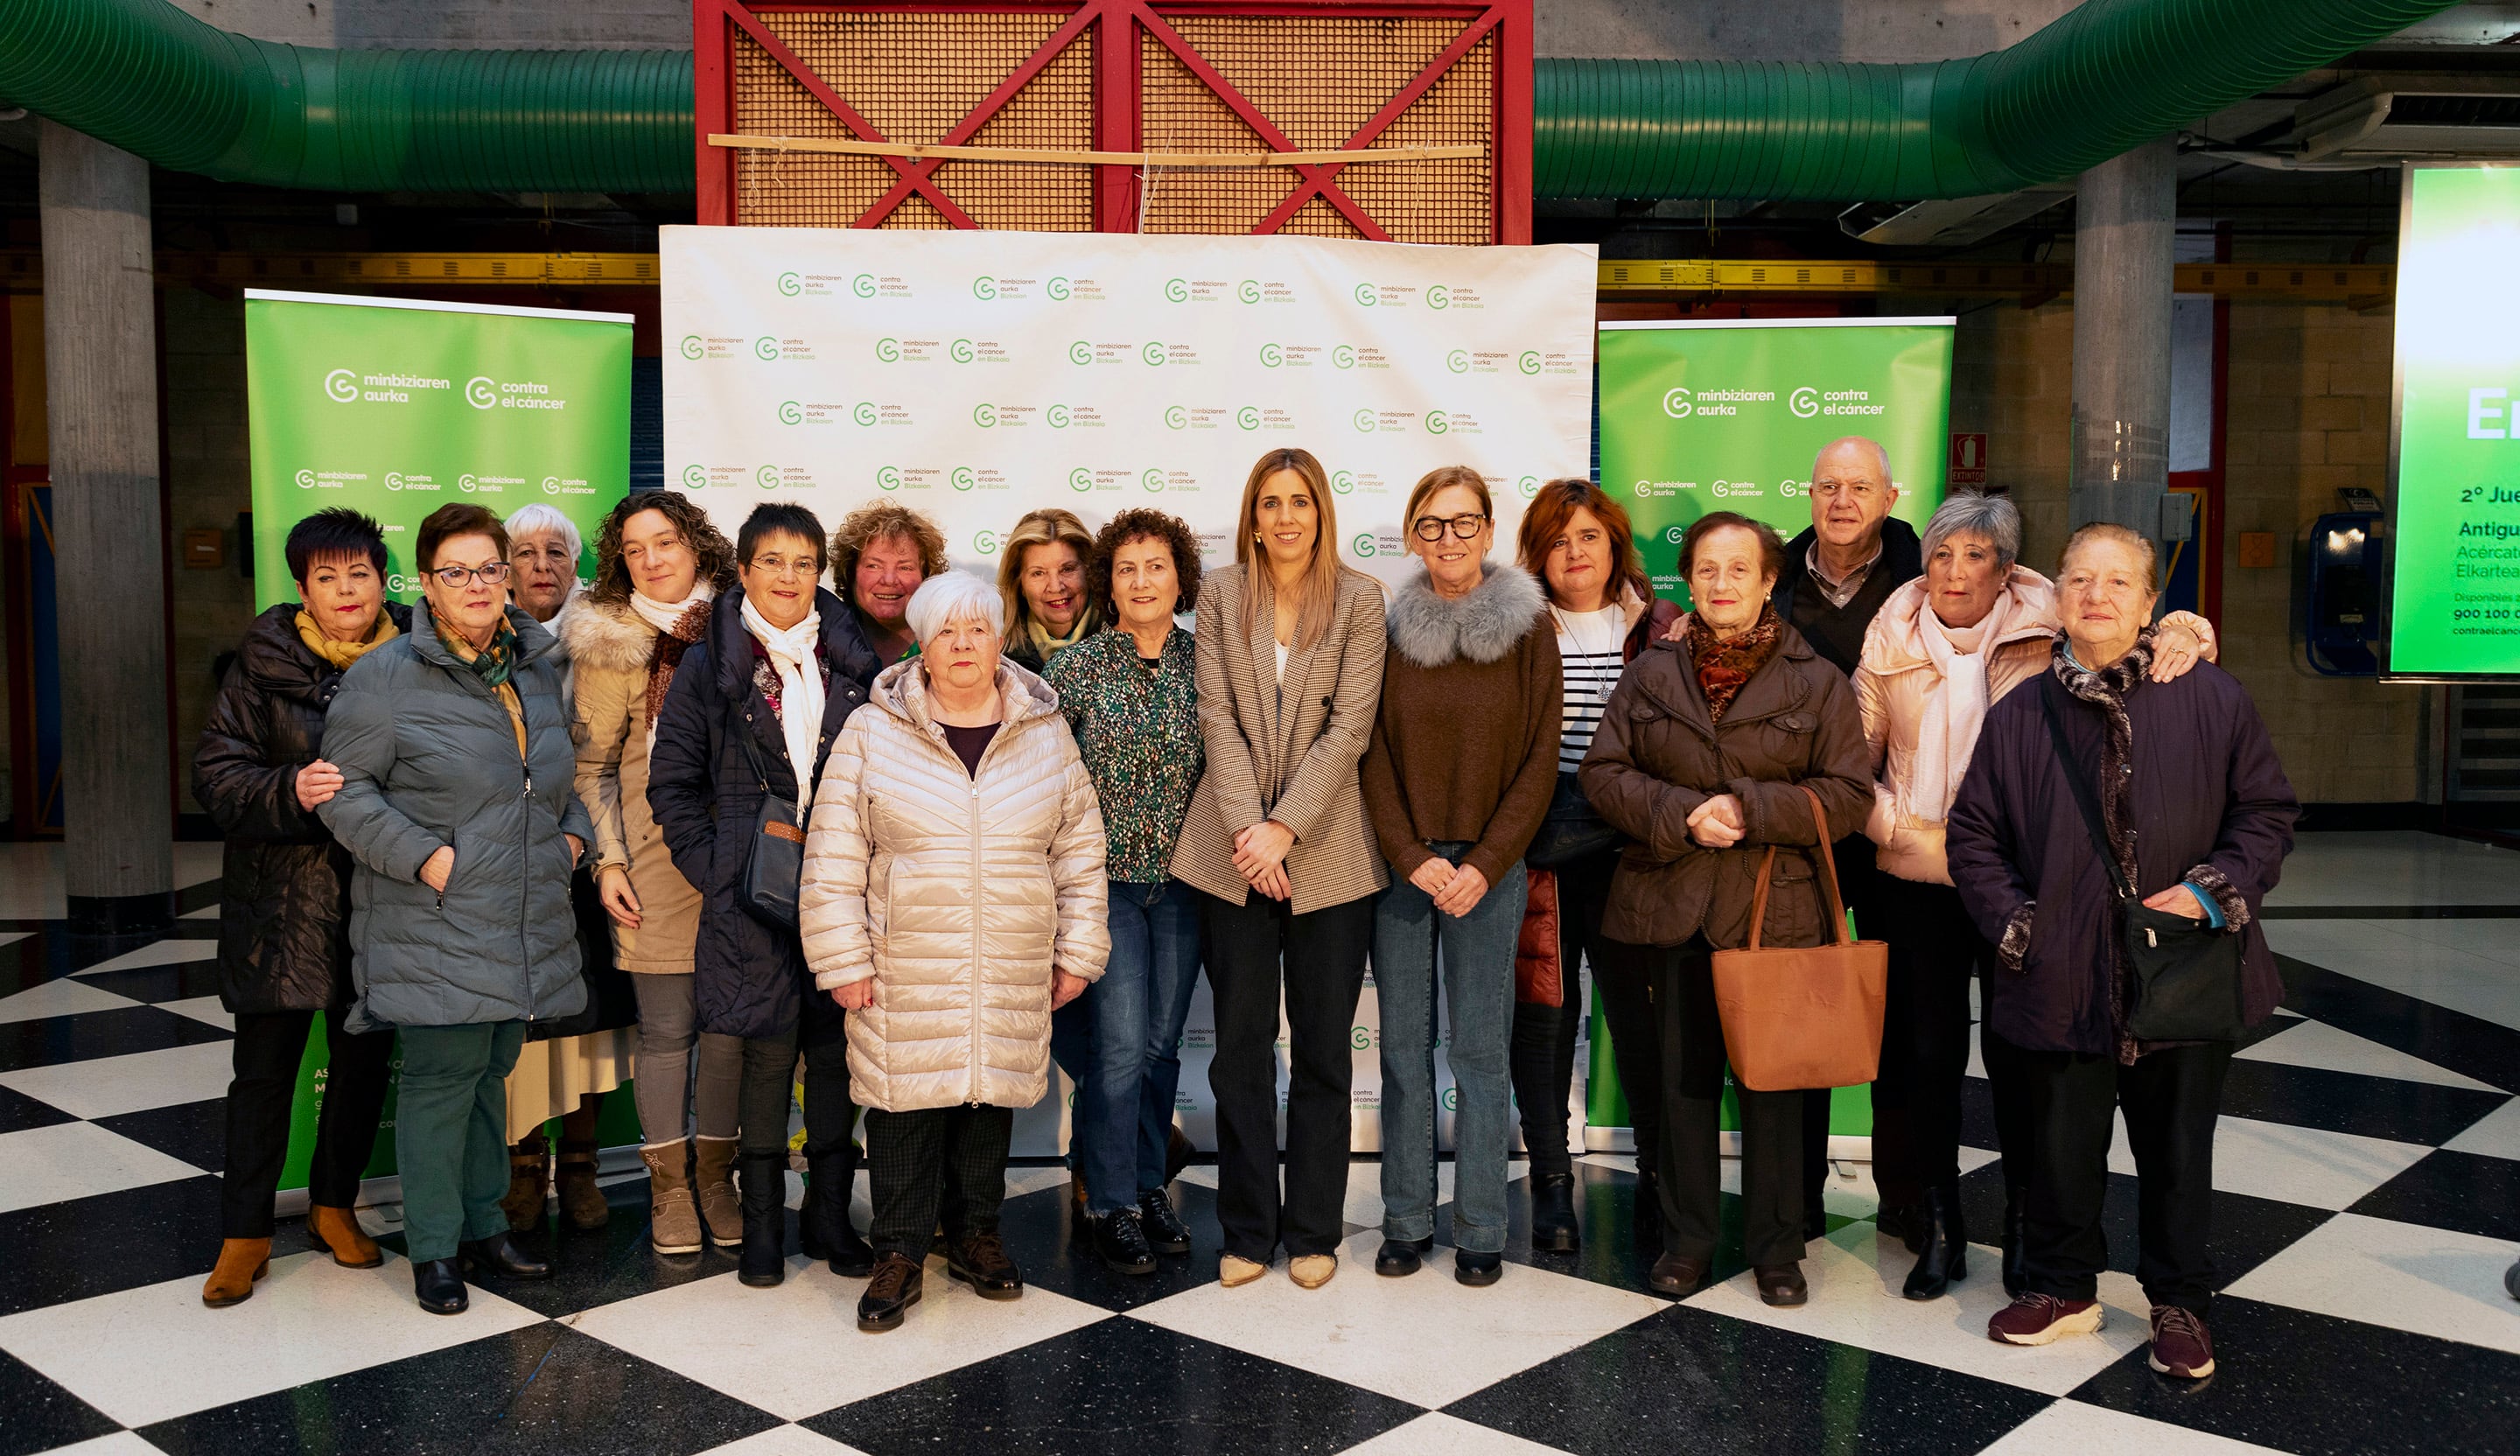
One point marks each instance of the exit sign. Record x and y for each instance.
(1967, 466)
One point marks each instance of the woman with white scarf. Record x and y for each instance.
(658, 565)
(1943, 648)
(750, 715)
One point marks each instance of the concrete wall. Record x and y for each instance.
(207, 485)
(1787, 29)
(554, 25)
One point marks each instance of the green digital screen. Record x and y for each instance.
(2455, 595)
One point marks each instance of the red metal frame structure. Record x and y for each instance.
(1123, 37)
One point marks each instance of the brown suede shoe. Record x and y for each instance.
(241, 1261)
(529, 1183)
(581, 1203)
(1676, 1276)
(674, 1223)
(337, 1231)
(1781, 1286)
(713, 1183)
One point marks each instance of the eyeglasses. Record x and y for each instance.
(454, 578)
(782, 565)
(1858, 489)
(1464, 528)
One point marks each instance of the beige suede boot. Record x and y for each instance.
(674, 1223)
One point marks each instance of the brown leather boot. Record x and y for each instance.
(674, 1224)
(581, 1203)
(713, 1180)
(337, 1231)
(529, 1182)
(241, 1261)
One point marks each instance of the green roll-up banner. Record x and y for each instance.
(395, 407)
(1727, 415)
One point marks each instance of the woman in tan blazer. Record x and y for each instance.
(1289, 673)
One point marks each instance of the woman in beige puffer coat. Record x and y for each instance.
(952, 894)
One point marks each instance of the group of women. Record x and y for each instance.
(923, 834)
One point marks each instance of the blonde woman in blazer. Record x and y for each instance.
(1289, 674)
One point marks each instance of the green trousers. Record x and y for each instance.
(451, 1133)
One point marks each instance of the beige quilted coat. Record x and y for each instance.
(609, 649)
(956, 893)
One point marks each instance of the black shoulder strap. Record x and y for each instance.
(2083, 798)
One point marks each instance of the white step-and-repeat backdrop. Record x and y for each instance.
(975, 376)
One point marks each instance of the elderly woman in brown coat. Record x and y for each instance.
(1701, 758)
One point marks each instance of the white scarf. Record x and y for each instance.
(800, 690)
(1948, 736)
(664, 617)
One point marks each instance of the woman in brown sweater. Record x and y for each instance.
(1701, 758)
(1456, 779)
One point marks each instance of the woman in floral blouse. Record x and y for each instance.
(1131, 698)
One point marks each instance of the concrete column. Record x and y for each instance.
(101, 403)
(2125, 213)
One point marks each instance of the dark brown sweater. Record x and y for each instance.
(1465, 742)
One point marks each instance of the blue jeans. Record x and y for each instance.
(1478, 993)
(1121, 1043)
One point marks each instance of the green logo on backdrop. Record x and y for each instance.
(1152, 354)
(1362, 420)
(765, 347)
(790, 284)
(1058, 290)
(888, 478)
(962, 351)
(1248, 417)
(985, 542)
(1529, 363)
(1342, 481)
(1271, 355)
(692, 348)
(888, 350)
(863, 284)
(984, 415)
(1365, 295)
(1176, 417)
(1057, 414)
(1439, 296)
(864, 414)
(791, 411)
(767, 477)
(965, 478)
(1458, 361)
(341, 385)
(1176, 290)
(481, 392)
(1249, 292)
(1362, 545)
(1080, 478)
(1344, 357)
(694, 476)
(984, 287)
(1080, 352)
(1152, 479)
(1527, 487)
(1804, 402)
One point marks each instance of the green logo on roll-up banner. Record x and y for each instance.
(397, 409)
(1699, 417)
(2455, 529)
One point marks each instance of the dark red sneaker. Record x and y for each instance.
(2043, 1319)
(2181, 1345)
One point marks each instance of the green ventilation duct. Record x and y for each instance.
(2103, 77)
(192, 98)
(153, 80)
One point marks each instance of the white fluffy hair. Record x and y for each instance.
(950, 597)
(533, 520)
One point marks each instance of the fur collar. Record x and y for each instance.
(606, 637)
(1483, 627)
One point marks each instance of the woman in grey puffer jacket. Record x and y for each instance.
(457, 800)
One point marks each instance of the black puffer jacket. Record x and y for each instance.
(748, 974)
(284, 890)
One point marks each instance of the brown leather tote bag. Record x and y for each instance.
(1807, 1018)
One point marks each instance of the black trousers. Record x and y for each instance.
(822, 1033)
(1935, 952)
(1693, 1100)
(1543, 1036)
(2171, 1100)
(269, 1045)
(936, 1163)
(1254, 950)
(1857, 883)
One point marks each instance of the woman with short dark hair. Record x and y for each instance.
(453, 744)
(1130, 697)
(751, 714)
(1702, 759)
(284, 899)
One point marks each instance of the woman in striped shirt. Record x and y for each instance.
(1577, 541)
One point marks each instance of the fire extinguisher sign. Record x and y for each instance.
(1968, 466)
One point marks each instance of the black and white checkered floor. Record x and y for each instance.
(2368, 1202)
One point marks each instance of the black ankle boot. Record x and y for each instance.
(440, 1286)
(822, 1225)
(1553, 1228)
(1942, 1262)
(1398, 1258)
(2016, 1242)
(763, 1262)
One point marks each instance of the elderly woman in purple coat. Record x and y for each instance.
(2187, 788)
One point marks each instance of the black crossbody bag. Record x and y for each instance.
(2187, 973)
(777, 864)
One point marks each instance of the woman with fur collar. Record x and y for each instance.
(658, 565)
(1457, 777)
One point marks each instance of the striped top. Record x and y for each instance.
(1591, 652)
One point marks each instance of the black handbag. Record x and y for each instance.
(1572, 830)
(611, 1000)
(2187, 973)
(776, 864)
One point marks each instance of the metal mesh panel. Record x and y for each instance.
(912, 75)
(1318, 79)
